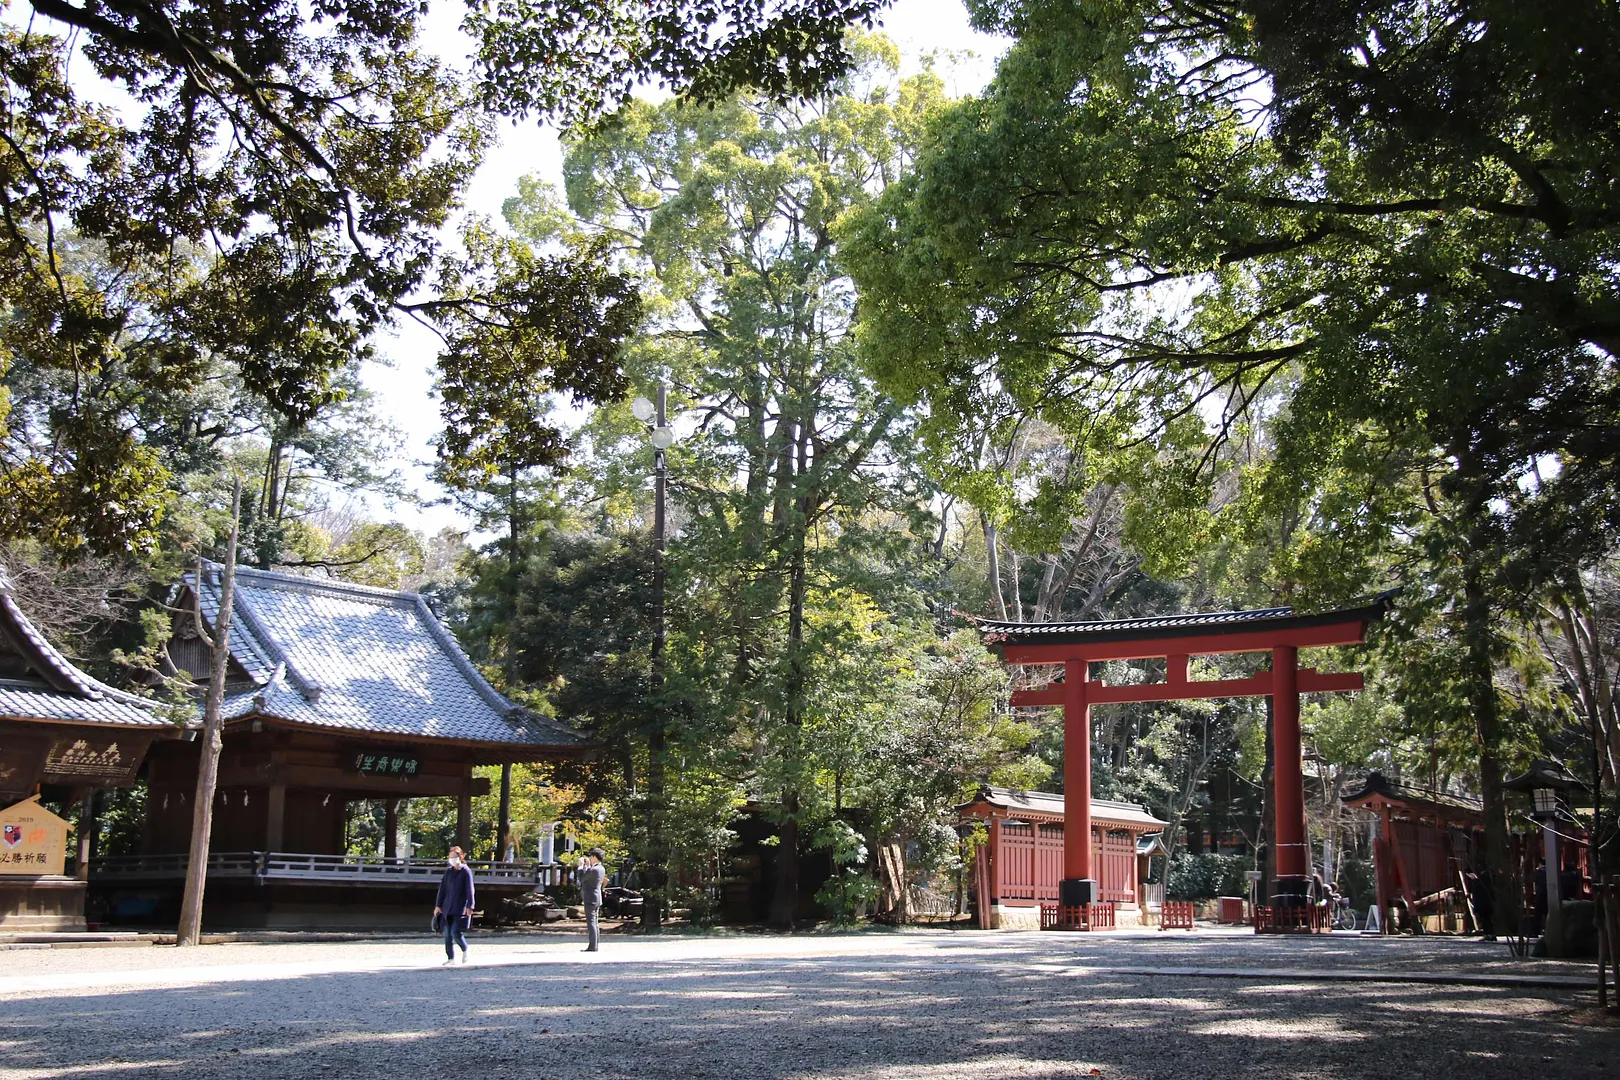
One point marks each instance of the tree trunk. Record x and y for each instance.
(785, 895)
(892, 866)
(992, 547)
(1592, 682)
(1017, 586)
(1479, 676)
(784, 903)
(503, 818)
(1266, 863)
(657, 871)
(513, 526)
(1330, 814)
(202, 818)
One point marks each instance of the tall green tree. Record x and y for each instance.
(581, 632)
(797, 473)
(500, 375)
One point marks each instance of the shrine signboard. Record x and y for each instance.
(33, 841)
(95, 758)
(383, 761)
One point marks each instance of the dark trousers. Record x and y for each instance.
(592, 926)
(454, 934)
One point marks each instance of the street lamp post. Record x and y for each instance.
(1545, 800)
(1546, 781)
(662, 438)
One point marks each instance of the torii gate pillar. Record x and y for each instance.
(1293, 862)
(1078, 886)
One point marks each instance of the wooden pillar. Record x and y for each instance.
(1293, 853)
(1079, 886)
(87, 830)
(275, 817)
(1383, 875)
(1175, 670)
(989, 868)
(464, 818)
(390, 828)
(503, 819)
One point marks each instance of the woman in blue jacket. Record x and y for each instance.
(455, 904)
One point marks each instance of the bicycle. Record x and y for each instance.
(1343, 915)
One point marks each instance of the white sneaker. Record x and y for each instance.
(448, 961)
(463, 958)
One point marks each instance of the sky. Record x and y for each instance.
(403, 384)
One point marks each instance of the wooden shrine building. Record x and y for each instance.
(65, 735)
(1428, 849)
(1067, 651)
(335, 693)
(1021, 863)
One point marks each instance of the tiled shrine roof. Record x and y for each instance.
(346, 657)
(42, 684)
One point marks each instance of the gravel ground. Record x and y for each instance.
(875, 1006)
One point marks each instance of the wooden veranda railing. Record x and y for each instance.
(320, 869)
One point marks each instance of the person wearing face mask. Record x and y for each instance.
(455, 905)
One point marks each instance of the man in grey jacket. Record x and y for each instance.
(590, 874)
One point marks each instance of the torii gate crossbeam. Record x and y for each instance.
(1278, 631)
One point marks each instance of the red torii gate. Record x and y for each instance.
(1176, 638)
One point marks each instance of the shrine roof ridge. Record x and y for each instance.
(272, 579)
(1196, 624)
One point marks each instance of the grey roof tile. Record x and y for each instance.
(60, 691)
(1169, 626)
(365, 660)
(1157, 622)
(21, 700)
(1106, 811)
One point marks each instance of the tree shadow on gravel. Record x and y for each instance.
(783, 1019)
(1430, 953)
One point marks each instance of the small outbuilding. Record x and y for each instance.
(1021, 862)
(1428, 846)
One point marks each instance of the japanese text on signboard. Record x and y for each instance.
(383, 763)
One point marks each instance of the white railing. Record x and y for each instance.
(321, 869)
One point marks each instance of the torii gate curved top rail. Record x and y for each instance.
(1175, 638)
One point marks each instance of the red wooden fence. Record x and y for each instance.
(1029, 862)
(1177, 915)
(1077, 916)
(1116, 866)
(1311, 919)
